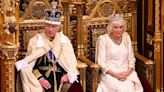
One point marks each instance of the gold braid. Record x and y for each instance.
(52, 69)
(53, 65)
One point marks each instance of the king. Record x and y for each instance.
(50, 62)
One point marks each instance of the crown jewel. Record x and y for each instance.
(53, 16)
(116, 17)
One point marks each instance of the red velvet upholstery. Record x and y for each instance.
(75, 87)
(146, 86)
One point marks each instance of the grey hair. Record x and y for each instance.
(111, 25)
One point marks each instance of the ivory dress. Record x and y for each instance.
(117, 58)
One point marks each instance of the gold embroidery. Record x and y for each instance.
(37, 73)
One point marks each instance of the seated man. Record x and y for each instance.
(50, 61)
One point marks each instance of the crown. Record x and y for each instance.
(116, 17)
(53, 15)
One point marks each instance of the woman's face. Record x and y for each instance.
(117, 29)
(51, 30)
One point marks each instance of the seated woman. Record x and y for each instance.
(50, 63)
(115, 56)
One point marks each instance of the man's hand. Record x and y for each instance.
(64, 78)
(44, 83)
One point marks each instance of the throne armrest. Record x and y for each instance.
(82, 69)
(145, 68)
(94, 73)
(143, 59)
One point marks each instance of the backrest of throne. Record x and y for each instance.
(96, 20)
(95, 23)
(28, 30)
(96, 27)
(31, 23)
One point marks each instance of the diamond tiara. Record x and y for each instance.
(116, 17)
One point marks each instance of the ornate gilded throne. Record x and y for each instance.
(95, 20)
(95, 23)
(83, 21)
(31, 23)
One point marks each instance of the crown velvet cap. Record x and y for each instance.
(53, 16)
(116, 17)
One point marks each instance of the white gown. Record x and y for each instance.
(116, 58)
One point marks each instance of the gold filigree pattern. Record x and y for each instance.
(149, 39)
(90, 5)
(8, 56)
(38, 10)
(127, 6)
(106, 9)
(9, 51)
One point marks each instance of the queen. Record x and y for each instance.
(115, 56)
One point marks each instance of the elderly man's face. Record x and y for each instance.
(51, 30)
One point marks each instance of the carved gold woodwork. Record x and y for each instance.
(79, 13)
(35, 10)
(29, 26)
(106, 5)
(90, 18)
(95, 25)
(149, 39)
(1, 27)
(31, 22)
(82, 68)
(157, 47)
(162, 15)
(154, 39)
(66, 14)
(92, 75)
(8, 59)
(103, 5)
(9, 28)
(95, 71)
(9, 35)
(8, 52)
(145, 67)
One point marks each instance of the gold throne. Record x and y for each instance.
(83, 25)
(94, 25)
(31, 23)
